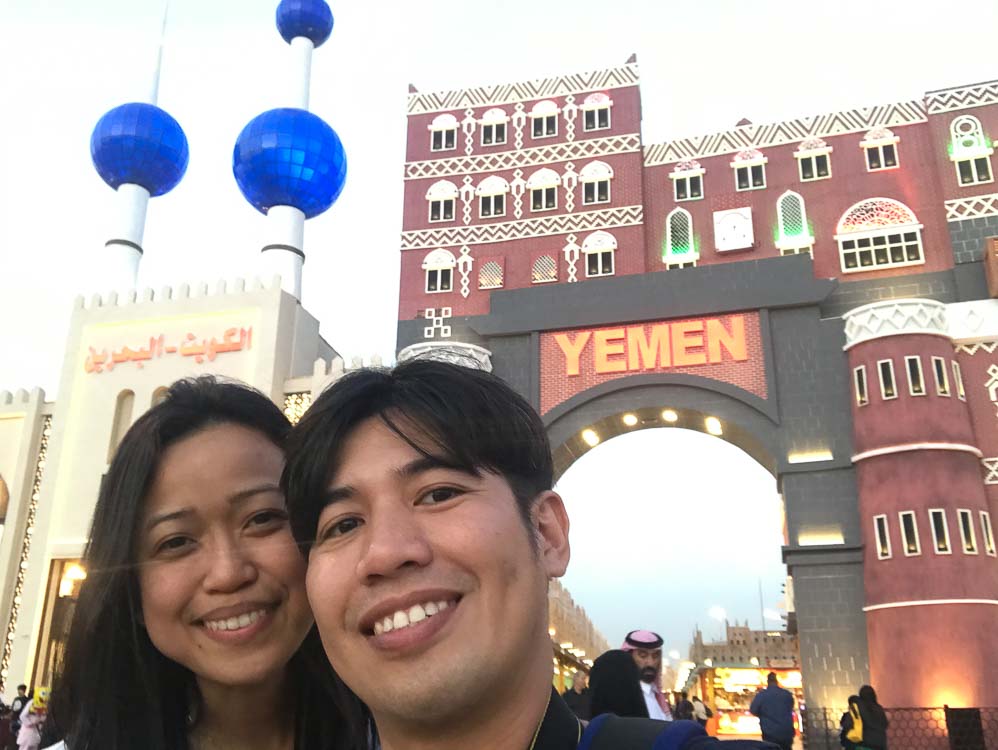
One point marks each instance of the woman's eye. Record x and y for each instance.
(340, 528)
(174, 544)
(268, 518)
(439, 495)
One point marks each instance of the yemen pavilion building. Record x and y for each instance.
(819, 292)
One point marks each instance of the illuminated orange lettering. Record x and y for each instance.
(733, 341)
(572, 350)
(642, 352)
(609, 343)
(686, 337)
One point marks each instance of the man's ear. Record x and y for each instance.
(550, 521)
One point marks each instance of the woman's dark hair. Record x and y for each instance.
(615, 686)
(868, 694)
(115, 690)
(459, 416)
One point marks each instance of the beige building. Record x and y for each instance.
(743, 646)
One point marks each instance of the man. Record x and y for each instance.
(775, 708)
(16, 707)
(577, 696)
(684, 709)
(646, 650)
(422, 497)
(700, 711)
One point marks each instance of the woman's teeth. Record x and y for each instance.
(235, 623)
(406, 617)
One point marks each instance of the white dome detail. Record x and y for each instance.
(439, 258)
(598, 241)
(596, 170)
(441, 190)
(543, 178)
(492, 185)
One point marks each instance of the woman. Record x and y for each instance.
(874, 720)
(192, 629)
(615, 686)
(849, 722)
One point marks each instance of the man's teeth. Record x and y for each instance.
(406, 617)
(235, 623)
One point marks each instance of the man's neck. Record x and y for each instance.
(509, 719)
(254, 717)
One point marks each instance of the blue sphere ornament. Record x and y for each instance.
(308, 18)
(139, 144)
(289, 157)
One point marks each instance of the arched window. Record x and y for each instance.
(159, 395)
(442, 197)
(793, 233)
(596, 112)
(879, 233)
(545, 270)
(881, 148)
(443, 133)
(599, 248)
(490, 275)
(595, 178)
(123, 407)
(439, 267)
(687, 180)
(750, 169)
(4, 502)
(970, 151)
(543, 186)
(493, 128)
(814, 160)
(680, 247)
(544, 119)
(491, 194)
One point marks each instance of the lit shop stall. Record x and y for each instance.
(62, 591)
(730, 690)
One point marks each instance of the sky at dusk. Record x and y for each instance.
(683, 536)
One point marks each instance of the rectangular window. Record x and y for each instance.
(490, 206)
(958, 381)
(543, 199)
(688, 188)
(968, 538)
(974, 171)
(888, 388)
(881, 251)
(909, 533)
(545, 127)
(596, 119)
(599, 263)
(883, 537)
(941, 376)
(442, 210)
(814, 167)
(750, 177)
(494, 134)
(438, 280)
(595, 192)
(916, 383)
(881, 157)
(987, 534)
(444, 140)
(859, 380)
(940, 531)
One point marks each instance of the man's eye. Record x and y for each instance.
(340, 528)
(439, 495)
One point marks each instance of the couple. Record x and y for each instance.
(406, 529)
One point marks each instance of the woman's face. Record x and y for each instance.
(221, 579)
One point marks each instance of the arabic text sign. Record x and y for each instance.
(233, 339)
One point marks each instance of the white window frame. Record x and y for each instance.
(880, 377)
(434, 265)
(797, 244)
(443, 213)
(961, 393)
(602, 255)
(885, 540)
(921, 376)
(904, 535)
(544, 199)
(988, 534)
(967, 515)
(686, 176)
(761, 163)
(969, 147)
(974, 169)
(493, 126)
(936, 516)
(437, 128)
(438, 273)
(860, 386)
(596, 110)
(858, 237)
(812, 157)
(595, 188)
(491, 198)
(689, 260)
(877, 144)
(939, 368)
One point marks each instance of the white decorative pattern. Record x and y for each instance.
(513, 230)
(519, 121)
(467, 199)
(974, 322)
(437, 322)
(519, 187)
(991, 386)
(523, 157)
(464, 264)
(570, 180)
(572, 252)
(974, 207)
(894, 318)
(972, 349)
(570, 111)
(991, 468)
(507, 93)
(455, 352)
(963, 97)
(788, 131)
(468, 126)
(873, 214)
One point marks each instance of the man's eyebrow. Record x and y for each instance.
(407, 471)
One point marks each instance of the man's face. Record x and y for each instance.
(427, 592)
(649, 663)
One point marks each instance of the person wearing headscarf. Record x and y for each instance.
(645, 648)
(613, 686)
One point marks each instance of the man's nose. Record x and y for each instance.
(396, 540)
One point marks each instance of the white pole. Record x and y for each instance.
(282, 254)
(301, 74)
(124, 249)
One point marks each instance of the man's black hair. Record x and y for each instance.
(463, 417)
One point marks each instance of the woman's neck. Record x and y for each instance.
(248, 717)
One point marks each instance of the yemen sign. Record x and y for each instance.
(726, 348)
